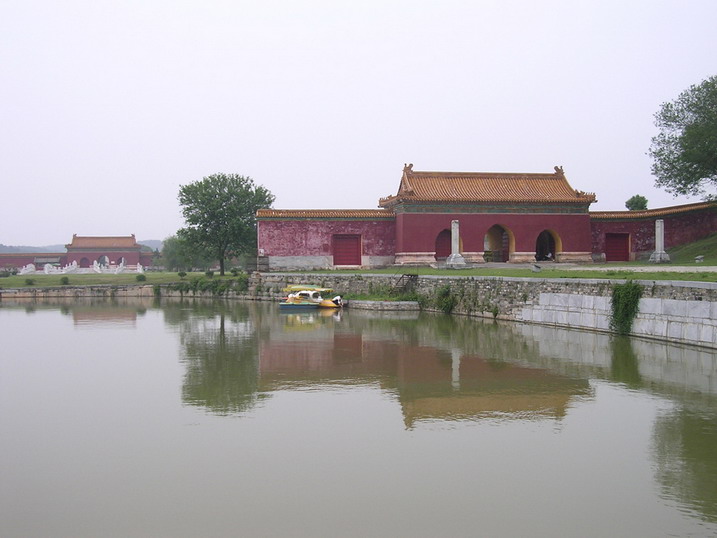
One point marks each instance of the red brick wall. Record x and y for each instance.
(418, 231)
(680, 228)
(313, 237)
(22, 259)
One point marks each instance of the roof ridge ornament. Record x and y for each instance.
(407, 168)
(559, 170)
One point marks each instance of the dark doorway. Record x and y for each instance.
(545, 247)
(443, 245)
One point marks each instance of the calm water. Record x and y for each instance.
(215, 419)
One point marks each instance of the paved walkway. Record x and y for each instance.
(658, 267)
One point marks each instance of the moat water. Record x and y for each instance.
(191, 418)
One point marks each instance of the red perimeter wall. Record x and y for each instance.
(313, 237)
(680, 228)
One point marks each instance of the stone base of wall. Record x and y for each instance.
(473, 257)
(377, 261)
(574, 257)
(299, 263)
(522, 257)
(415, 258)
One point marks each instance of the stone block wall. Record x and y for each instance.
(684, 312)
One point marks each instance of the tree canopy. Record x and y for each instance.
(220, 214)
(637, 202)
(178, 255)
(684, 152)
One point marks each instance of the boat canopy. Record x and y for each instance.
(294, 288)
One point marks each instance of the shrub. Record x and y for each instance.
(445, 301)
(65, 280)
(141, 277)
(210, 274)
(235, 271)
(182, 274)
(242, 282)
(625, 304)
(5, 274)
(29, 281)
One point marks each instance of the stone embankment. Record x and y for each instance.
(678, 311)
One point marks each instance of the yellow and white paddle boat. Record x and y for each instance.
(303, 296)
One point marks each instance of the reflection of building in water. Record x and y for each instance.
(430, 383)
(91, 311)
(114, 316)
(468, 387)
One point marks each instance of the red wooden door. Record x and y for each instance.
(617, 247)
(347, 250)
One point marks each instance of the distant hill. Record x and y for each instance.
(154, 244)
(7, 249)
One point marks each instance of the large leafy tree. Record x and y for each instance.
(220, 214)
(637, 202)
(178, 254)
(684, 152)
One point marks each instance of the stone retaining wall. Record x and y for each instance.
(678, 311)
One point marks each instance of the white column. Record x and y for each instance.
(455, 259)
(660, 256)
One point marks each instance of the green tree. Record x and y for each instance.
(178, 254)
(636, 203)
(684, 152)
(220, 213)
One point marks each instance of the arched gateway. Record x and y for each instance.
(498, 244)
(500, 216)
(508, 217)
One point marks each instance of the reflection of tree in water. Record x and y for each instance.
(685, 444)
(219, 345)
(624, 367)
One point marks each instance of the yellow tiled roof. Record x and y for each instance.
(651, 213)
(485, 187)
(324, 213)
(124, 241)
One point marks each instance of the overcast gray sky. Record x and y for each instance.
(107, 107)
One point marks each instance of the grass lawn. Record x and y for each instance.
(94, 279)
(549, 272)
(683, 256)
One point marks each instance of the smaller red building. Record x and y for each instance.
(85, 250)
(108, 250)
